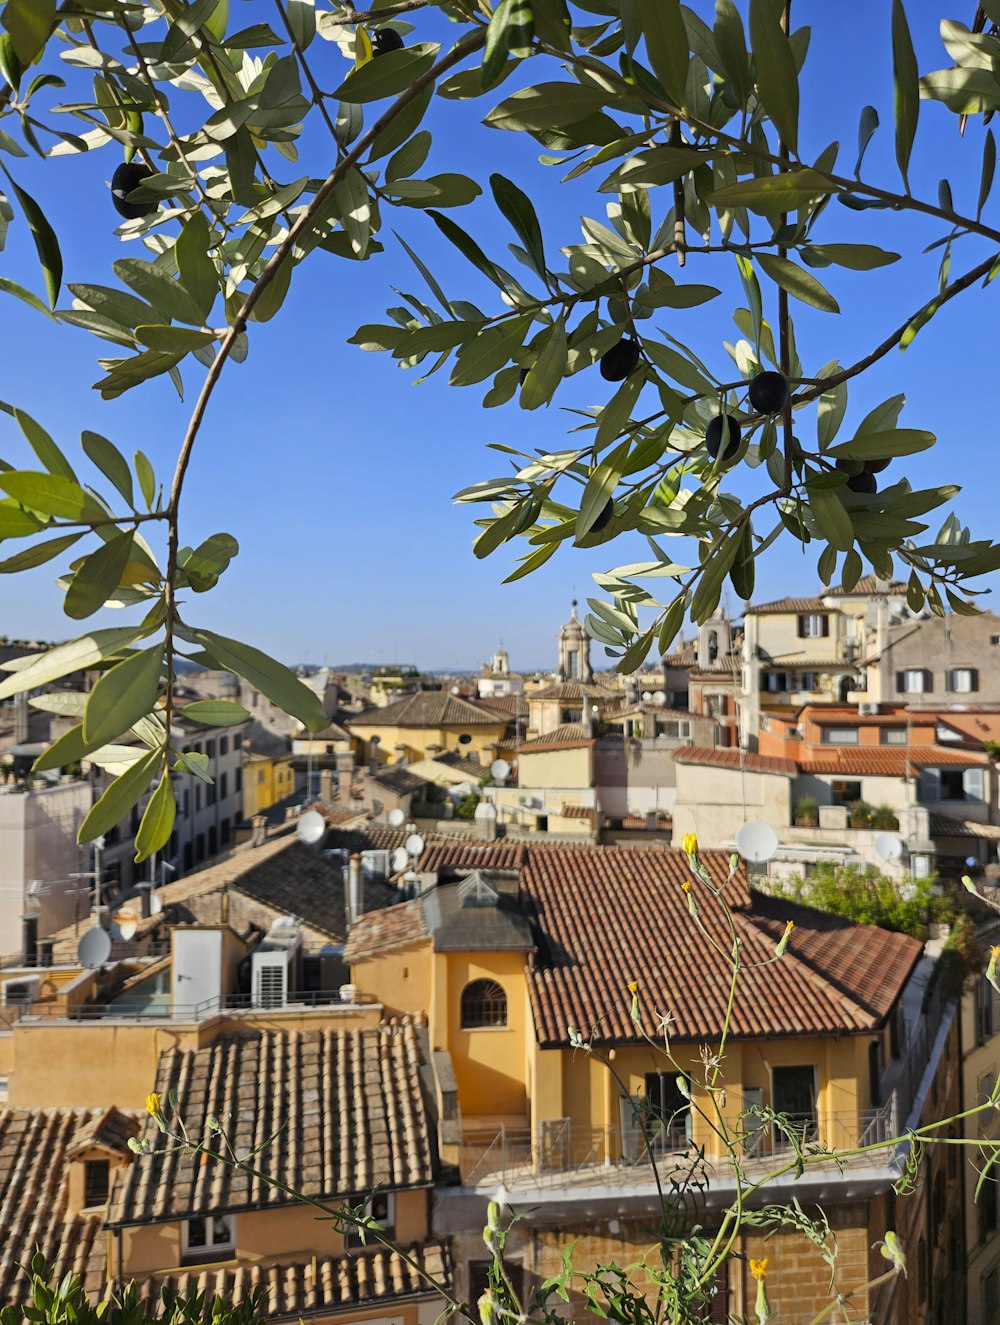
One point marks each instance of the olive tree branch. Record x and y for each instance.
(784, 346)
(464, 47)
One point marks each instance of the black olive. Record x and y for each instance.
(714, 432)
(768, 392)
(876, 466)
(863, 482)
(127, 177)
(620, 361)
(386, 39)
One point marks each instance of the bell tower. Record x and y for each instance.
(574, 651)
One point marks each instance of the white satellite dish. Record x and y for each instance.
(886, 846)
(414, 844)
(94, 948)
(400, 859)
(310, 828)
(660, 697)
(647, 695)
(396, 818)
(500, 770)
(756, 841)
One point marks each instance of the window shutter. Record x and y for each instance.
(900, 683)
(972, 784)
(802, 627)
(930, 785)
(826, 626)
(973, 678)
(928, 680)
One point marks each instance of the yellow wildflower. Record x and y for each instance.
(633, 986)
(995, 952)
(154, 1104)
(991, 969)
(689, 844)
(759, 1268)
(686, 885)
(783, 941)
(692, 904)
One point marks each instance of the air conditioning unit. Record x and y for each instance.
(21, 992)
(273, 965)
(868, 710)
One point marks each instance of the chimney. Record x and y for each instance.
(44, 951)
(353, 889)
(259, 833)
(325, 785)
(29, 939)
(21, 719)
(373, 745)
(145, 895)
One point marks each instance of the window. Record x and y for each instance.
(95, 1182)
(840, 736)
(962, 680)
(893, 736)
(809, 680)
(226, 832)
(813, 626)
(775, 681)
(914, 681)
(186, 804)
(952, 784)
(237, 742)
(987, 1011)
(844, 793)
(211, 792)
(223, 745)
(721, 737)
(793, 1093)
(210, 749)
(260, 777)
(223, 785)
(668, 1108)
(206, 1236)
(484, 1003)
(197, 797)
(213, 840)
(239, 780)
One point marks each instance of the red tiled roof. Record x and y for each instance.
(787, 605)
(392, 927)
(577, 812)
(348, 1105)
(317, 1285)
(725, 757)
(610, 915)
(429, 708)
(885, 761)
(512, 705)
(568, 736)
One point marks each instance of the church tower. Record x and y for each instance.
(574, 651)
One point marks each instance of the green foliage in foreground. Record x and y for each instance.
(65, 1303)
(301, 139)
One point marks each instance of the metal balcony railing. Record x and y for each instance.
(160, 1007)
(561, 1154)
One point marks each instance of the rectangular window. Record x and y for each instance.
(95, 1182)
(237, 742)
(893, 736)
(809, 680)
(210, 749)
(840, 736)
(957, 784)
(962, 680)
(223, 785)
(208, 1237)
(197, 797)
(239, 779)
(260, 778)
(914, 681)
(813, 626)
(225, 832)
(845, 793)
(668, 1112)
(775, 682)
(211, 794)
(223, 745)
(186, 803)
(793, 1093)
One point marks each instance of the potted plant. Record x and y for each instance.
(860, 815)
(885, 819)
(806, 812)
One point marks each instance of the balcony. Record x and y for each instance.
(561, 1161)
(159, 1007)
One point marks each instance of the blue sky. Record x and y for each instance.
(336, 472)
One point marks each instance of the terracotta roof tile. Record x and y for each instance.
(886, 761)
(787, 605)
(511, 705)
(610, 915)
(429, 708)
(35, 1159)
(319, 1285)
(576, 690)
(394, 927)
(399, 780)
(942, 825)
(568, 735)
(723, 757)
(348, 1103)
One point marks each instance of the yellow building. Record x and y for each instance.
(426, 724)
(565, 1099)
(267, 779)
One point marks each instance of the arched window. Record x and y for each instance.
(483, 1004)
